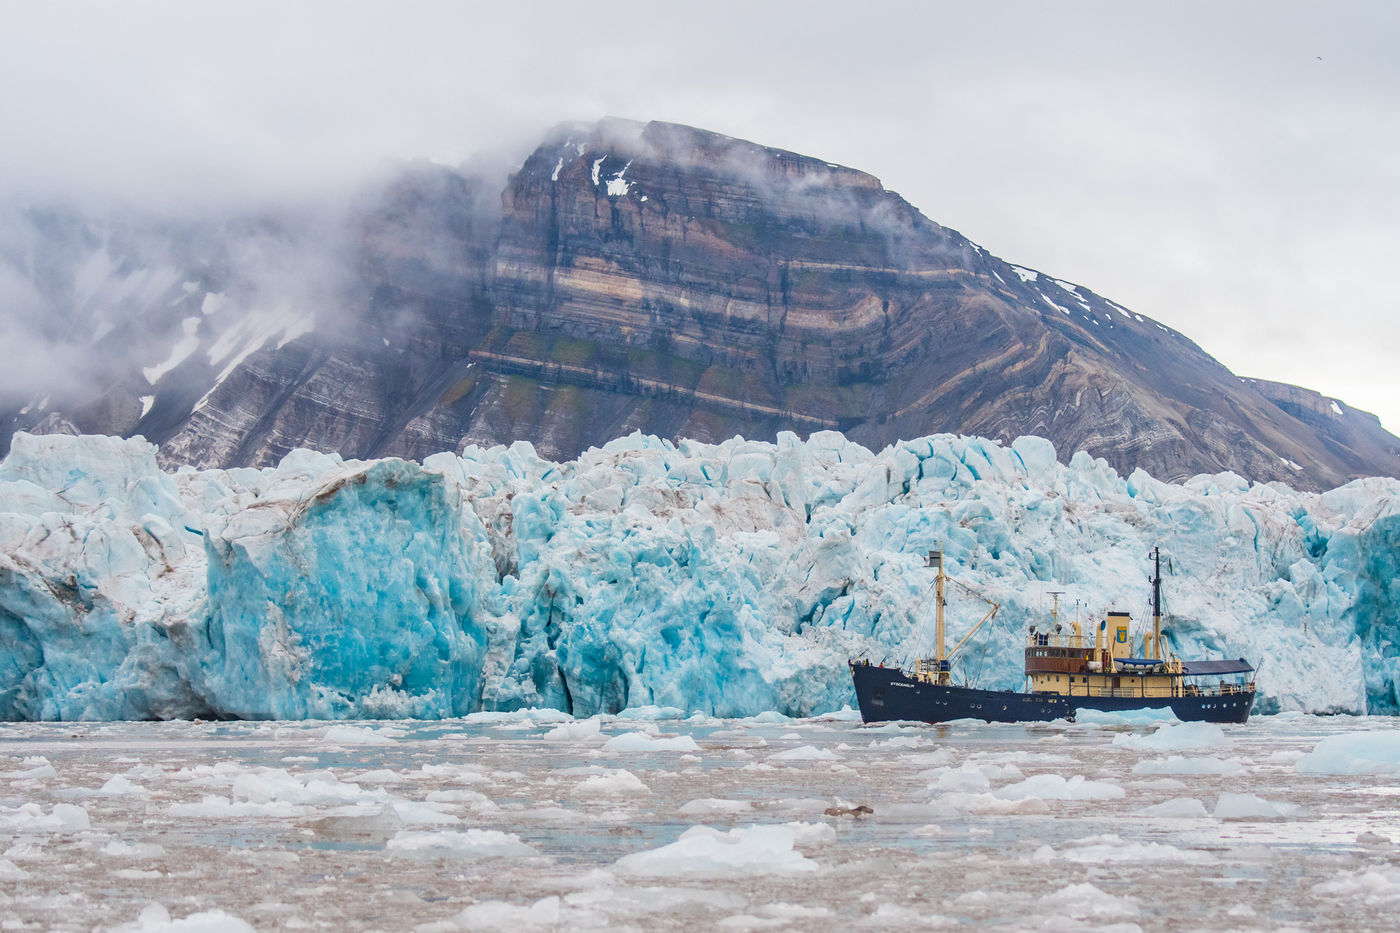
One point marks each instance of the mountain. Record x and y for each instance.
(629, 277)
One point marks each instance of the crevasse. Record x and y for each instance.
(730, 578)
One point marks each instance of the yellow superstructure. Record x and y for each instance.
(1071, 666)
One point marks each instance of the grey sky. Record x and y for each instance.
(1229, 169)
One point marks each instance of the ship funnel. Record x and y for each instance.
(1118, 629)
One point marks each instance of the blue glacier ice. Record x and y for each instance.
(729, 579)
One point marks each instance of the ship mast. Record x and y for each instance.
(1156, 653)
(940, 646)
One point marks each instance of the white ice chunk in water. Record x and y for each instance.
(1176, 764)
(575, 730)
(1372, 752)
(34, 768)
(806, 753)
(357, 735)
(1234, 806)
(543, 914)
(965, 780)
(710, 806)
(154, 918)
(415, 813)
(30, 817)
(119, 786)
(1176, 808)
(1086, 902)
(1057, 787)
(1372, 885)
(652, 713)
(133, 850)
(616, 783)
(1173, 738)
(277, 786)
(1112, 849)
(1131, 717)
(812, 835)
(702, 852)
(641, 742)
(477, 843)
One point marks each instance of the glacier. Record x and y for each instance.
(729, 579)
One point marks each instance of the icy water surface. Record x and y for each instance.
(533, 821)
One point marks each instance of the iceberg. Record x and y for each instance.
(728, 579)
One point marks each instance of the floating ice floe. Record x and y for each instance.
(30, 817)
(702, 852)
(1057, 787)
(119, 786)
(652, 713)
(1110, 848)
(805, 753)
(1177, 764)
(357, 735)
(641, 742)
(612, 784)
(709, 807)
(1375, 885)
(36, 768)
(1133, 717)
(1176, 808)
(475, 843)
(967, 779)
(1086, 902)
(1372, 752)
(1174, 737)
(154, 918)
(1236, 806)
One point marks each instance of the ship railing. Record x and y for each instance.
(1188, 690)
(1214, 690)
(1047, 640)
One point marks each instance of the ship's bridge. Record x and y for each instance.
(1053, 654)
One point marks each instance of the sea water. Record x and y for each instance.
(659, 820)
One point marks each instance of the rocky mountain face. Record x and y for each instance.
(634, 277)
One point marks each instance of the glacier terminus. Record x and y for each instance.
(728, 579)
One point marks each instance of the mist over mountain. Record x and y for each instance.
(625, 277)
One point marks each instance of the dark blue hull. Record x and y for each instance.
(887, 693)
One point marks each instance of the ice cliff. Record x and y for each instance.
(730, 578)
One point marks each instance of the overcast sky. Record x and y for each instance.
(1231, 169)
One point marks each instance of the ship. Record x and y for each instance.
(1066, 672)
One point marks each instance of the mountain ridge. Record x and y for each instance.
(662, 278)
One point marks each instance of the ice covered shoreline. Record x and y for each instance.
(727, 579)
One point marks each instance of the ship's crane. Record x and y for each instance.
(938, 669)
